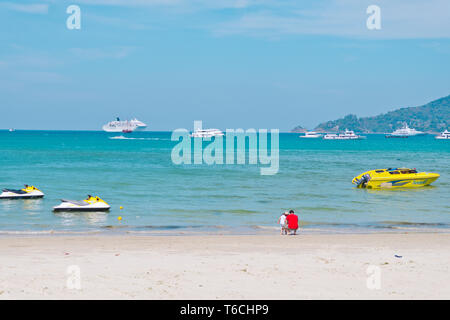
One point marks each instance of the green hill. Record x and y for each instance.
(432, 117)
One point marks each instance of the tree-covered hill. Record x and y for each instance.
(431, 117)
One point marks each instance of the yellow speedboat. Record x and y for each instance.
(394, 178)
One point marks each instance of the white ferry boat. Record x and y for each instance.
(444, 135)
(404, 132)
(347, 135)
(124, 126)
(206, 133)
(311, 135)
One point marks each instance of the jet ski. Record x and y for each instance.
(91, 203)
(28, 192)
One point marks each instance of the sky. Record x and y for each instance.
(271, 64)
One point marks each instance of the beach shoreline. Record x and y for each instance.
(306, 266)
(216, 232)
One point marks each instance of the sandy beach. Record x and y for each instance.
(410, 266)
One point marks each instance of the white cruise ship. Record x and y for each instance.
(444, 135)
(347, 135)
(124, 126)
(311, 135)
(206, 133)
(404, 132)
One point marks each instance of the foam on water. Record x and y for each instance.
(134, 138)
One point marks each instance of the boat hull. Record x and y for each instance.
(66, 209)
(66, 206)
(400, 183)
(30, 195)
(121, 129)
(21, 197)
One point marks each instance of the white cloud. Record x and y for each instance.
(130, 3)
(192, 4)
(275, 18)
(28, 8)
(400, 19)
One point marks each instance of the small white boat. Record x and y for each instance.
(347, 135)
(404, 132)
(311, 135)
(444, 135)
(11, 130)
(206, 133)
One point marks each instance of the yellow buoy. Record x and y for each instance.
(120, 207)
(119, 218)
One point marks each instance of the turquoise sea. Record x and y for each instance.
(159, 197)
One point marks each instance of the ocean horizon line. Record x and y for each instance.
(169, 131)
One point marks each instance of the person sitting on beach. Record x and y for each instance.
(292, 221)
(283, 223)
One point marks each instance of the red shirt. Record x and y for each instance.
(292, 220)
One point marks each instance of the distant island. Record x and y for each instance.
(299, 129)
(432, 117)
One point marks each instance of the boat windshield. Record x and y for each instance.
(405, 171)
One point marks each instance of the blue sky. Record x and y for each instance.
(231, 63)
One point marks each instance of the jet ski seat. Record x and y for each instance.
(78, 203)
(15, 191)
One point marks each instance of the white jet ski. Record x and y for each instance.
(89, 204)
(28, 192)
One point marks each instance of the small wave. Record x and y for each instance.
(265, 227)
(113, 227)
(417, 224)
(44, 232)
(330, 224)
(323, 208)
(171, 227)
(135, 138)
(27, 232)
(238, 211)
